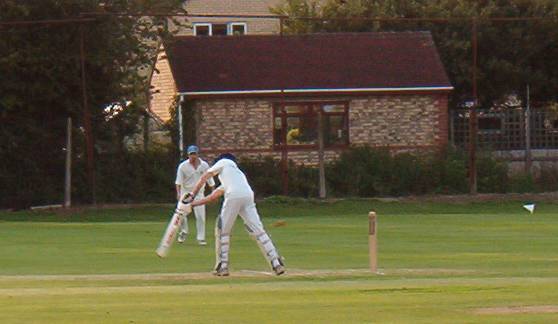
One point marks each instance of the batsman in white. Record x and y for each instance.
(188, 174)
(239, 200)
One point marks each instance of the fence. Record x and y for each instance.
(512, 133)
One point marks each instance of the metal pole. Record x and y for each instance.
(473, 117)
(180, 127)
(321, 154)
(284, 150)
(528, 158)
(87, 121)
(68, 178)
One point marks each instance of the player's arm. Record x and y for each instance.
(201, 182)
(178, 192)
(178, 181)
(213, 196)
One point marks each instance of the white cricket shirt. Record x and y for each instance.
(187, 176)
(233, 181)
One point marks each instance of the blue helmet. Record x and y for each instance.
(229, 156)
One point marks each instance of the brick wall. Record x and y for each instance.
(223, 124)
(400, 122)
(164, 89)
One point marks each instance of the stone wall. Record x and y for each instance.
(399, 122)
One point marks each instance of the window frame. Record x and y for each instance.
(279, 112)
(210, 25)
(229, 25)
(232, 24)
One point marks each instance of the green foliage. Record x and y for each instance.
(492, 174)
(511, 54)
(365, 172)
(136, 177)
(544, 179)
(303, 180)
(522, 183)
(362, 171)
(263, 174)
(547, 179)
(40, 86)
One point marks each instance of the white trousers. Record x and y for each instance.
(246, 208)
(199, 212)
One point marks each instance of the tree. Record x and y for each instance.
(41, 83)
(511, 54)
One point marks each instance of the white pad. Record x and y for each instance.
(266, 246)
(222, 245)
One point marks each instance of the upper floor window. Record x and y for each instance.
(237, 28)
(220, 29)
(202, 29)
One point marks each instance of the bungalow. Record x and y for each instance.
(267, 94)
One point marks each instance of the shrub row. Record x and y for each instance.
(135, 177)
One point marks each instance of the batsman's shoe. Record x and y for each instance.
(279, 267)
(202, 242)
(181, 237)
(221, 270)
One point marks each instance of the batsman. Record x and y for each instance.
(239, 200)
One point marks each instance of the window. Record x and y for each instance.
(237, 28)
(296, 124)
(221, 29)
(202, 29)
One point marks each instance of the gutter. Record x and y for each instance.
(340, 90)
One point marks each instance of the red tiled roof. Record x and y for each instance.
(315, 61)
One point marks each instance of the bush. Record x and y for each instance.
(136, 177)
(547, 179)
(521, 183)
(264, 175)
(492, 174)
(364, 172)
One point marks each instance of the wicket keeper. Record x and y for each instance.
(187, 175)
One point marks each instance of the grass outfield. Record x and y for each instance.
(484, 262)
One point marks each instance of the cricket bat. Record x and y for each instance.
(183, 208)
(170, 234)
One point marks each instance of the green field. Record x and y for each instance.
(439, 262)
